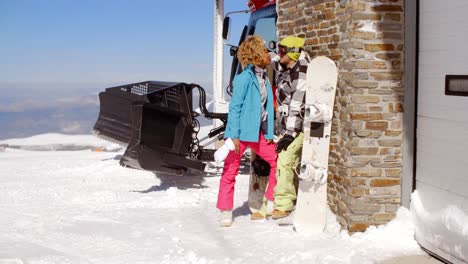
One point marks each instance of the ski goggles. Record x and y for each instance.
(282, 50)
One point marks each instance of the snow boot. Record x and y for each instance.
(257, 216)
(226, 218)
(277, 214)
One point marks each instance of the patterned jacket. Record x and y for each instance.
(290, 96)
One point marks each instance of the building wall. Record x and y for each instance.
(365, 38)
(442, 125)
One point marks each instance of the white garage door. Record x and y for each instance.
(440, 203)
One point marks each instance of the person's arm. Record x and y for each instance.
(295, 119)
(235, 107)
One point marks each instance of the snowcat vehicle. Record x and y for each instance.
(155, 120)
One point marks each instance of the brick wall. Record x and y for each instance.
(365, 39)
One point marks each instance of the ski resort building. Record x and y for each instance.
(400, 122)
(366, 40)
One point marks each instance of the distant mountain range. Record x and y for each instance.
(70, 115)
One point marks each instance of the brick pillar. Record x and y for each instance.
(365, 39)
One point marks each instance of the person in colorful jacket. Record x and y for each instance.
(291, 80)
(250, 122)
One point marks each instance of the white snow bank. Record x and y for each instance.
(52, 141)
(444, 231)
(55, 141)
(383, 242)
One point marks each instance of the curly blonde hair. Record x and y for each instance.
(252, 51)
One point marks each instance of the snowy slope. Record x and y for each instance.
(82, 207)
(53, 141)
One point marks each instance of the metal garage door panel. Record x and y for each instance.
(442, 133)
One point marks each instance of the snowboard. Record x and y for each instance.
(258, 183)
(311, 205)
(257, 186)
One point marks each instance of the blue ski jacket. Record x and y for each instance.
(245, 108)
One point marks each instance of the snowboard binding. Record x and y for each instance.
(261, 167)
(312, 172)
(318, 112)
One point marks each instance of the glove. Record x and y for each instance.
(223, 151)
(284, 143)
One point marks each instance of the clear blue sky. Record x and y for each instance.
(97, 42)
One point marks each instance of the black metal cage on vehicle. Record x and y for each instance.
(157, 123)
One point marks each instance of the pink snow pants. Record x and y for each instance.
(231, 168)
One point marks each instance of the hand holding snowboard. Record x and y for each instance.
(284, 143)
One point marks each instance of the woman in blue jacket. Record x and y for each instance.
(250, 123)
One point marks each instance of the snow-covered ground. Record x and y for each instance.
(53, 141)
(82, 207)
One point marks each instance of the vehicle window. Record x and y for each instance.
(266, 27)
